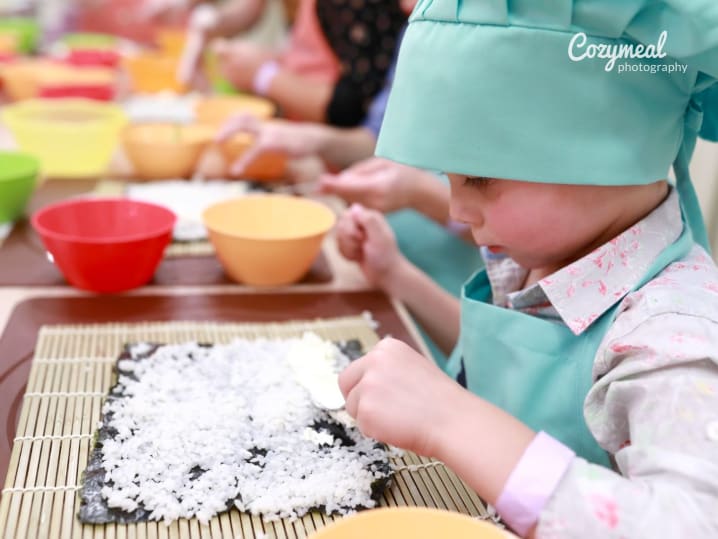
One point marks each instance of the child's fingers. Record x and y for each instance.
(324, 179)
(241, 123)
(249, 155)
(368, 166)
(346, 186)
(350, 246)
(350, 377)
(350, 249)
(372, 222)
(347, 224)
(349, 238)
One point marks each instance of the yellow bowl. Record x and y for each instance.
(72, 138)
(165, 150)
(152, 72)
(410, 523)
(268, 166)
(217, 110)
(267, 240)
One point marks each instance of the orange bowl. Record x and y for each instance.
(165, 150)
(267, 240)
(171, 41)
(26, 79)
(268, 166)
(217, 110)
(21, 78)
(70, 81)
(152, 72)
(410, 523)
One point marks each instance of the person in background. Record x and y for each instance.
(335, 63)
(262, 23)
(582, 395)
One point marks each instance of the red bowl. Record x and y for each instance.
(105, 244)
(98, 92)
(93, 57)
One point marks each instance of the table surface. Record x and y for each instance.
(346, 275)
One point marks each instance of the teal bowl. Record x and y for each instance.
(18, 177)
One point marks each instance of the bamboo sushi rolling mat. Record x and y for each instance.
(73, 370)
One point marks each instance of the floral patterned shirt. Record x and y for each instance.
(654, 402)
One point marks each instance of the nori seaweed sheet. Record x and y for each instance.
(94, 508)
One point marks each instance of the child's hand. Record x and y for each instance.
(365, 237)
(398, 396)
(276, 136)
(376, 183)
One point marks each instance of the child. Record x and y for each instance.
(416, 201)
(589, 346)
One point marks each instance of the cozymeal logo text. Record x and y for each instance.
(579, 49)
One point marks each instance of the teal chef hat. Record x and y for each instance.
(602, 92)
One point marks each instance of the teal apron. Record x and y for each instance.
(443, 256)
(537, 370)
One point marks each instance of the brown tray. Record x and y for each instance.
(17, 343)
(23, 261)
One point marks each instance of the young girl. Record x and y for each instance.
(589, 346)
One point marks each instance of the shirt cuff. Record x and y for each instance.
(533, 481)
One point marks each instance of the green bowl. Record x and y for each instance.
(18, 175)
(25, 28)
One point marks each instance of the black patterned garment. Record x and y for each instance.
(363, 34)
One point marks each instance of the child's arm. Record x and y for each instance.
(387, 186)
(299, 97)
(236, 16)
(340, 147)
(365, 237)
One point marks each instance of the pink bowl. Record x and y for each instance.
(105, 244)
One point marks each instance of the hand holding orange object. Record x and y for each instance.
(272, 136)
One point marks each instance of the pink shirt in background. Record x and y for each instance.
(308, 53)
(116, 17)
